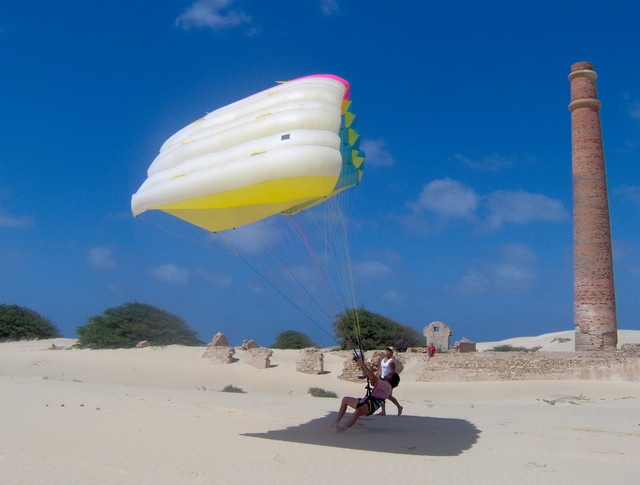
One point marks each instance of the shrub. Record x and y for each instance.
(511, 348)
(20, 323)
(319, 392)
(561, 340)
(290, 339)
(376, 331)
(130, 323)
(231, 388)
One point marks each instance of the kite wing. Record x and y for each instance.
(278, 151)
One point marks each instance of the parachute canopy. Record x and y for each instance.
(278, 151)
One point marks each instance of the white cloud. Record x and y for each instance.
(376, 153)
(472, 283)
(518, 253)
(329, 7)
(8, 220)
(13, 255)
(520, 207)
(514, 272)
(213, 14)
(217, 278)
(296, 277)
(448, 198)
(372, 269)
(491, 163)
(451, 199)
(256, 289)
(394, 297)
(633, 106)
(629, 192)
(626, 256)
(101, 258)
(252, 238)
(170, 273)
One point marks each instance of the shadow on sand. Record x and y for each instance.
(407, 435)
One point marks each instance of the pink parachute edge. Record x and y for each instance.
(331, 76)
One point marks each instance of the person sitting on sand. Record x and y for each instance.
(431, 350)
(388, 366)
(369, 404)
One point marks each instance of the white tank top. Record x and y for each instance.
(385, 368)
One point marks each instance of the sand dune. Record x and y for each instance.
(157, 415)
(557, 341)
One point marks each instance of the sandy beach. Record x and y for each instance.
(157, 415)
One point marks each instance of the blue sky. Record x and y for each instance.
(464, 212)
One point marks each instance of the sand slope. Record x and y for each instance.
(557, 341)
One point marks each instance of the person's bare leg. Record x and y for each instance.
(346, 402)
(361, 411)
(395, 401)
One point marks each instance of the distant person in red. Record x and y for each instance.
(369, 404)
(431, 350)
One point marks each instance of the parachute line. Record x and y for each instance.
(255, 269)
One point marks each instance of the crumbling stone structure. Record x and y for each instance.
(496, 366)
(310, 361)
(220, 355)
(438, 334)
(249, 344)
(465, 345)
(594, 293)
(220, 340)
(257, 357)
(352, 372)
(219, 351)
(631, 349)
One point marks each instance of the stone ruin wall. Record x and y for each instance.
(351, 371)
(310, 361)
(438, 334)
(259, 357)
(220, 355)
(623, 365)
(218, 350)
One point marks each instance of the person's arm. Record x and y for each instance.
(368, 372)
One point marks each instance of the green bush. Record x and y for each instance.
(130, 323)
(20, 323)
(231, 388)
(376, 331)
(511, 348)
(319, 392)
(561, 340)
(290, 339)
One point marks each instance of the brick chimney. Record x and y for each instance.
(594, 293)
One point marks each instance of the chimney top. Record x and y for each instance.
(578, 66)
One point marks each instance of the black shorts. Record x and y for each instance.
(373, 403)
